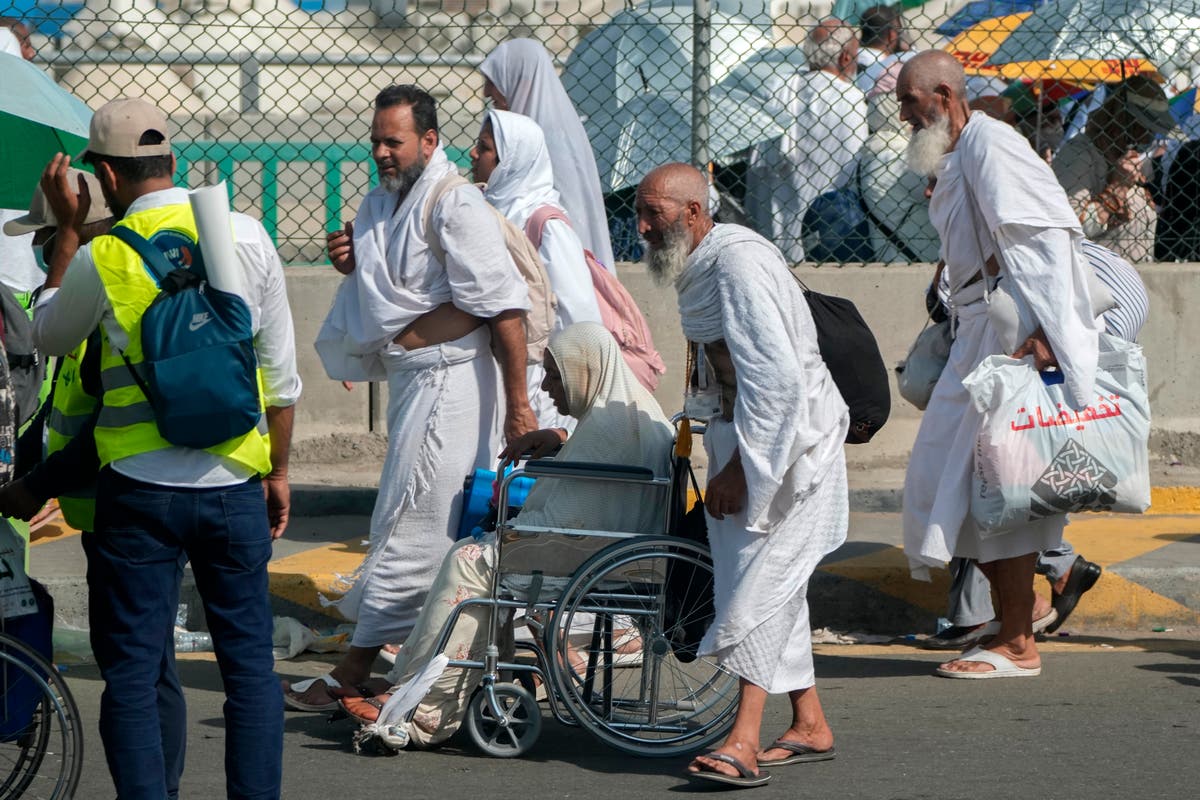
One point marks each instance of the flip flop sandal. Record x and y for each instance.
(745, 779)
(353, 706)
(291, 696)
(1042, 624)
(1004, 667)
(801, 754)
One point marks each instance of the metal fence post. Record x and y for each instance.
(701, 54)
(250, 87)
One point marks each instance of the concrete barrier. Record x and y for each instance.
(889, 298)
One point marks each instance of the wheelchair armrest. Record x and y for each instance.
(585, 469)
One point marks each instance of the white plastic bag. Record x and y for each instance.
(1036, 456)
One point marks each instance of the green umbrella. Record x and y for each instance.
(38, 118)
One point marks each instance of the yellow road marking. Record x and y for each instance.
(1114, 602)
(301, 577)
(1174, 500)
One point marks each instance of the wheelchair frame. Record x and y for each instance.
(504, 719)
(30, 747)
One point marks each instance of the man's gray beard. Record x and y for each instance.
(666, 262)
(403, 180)
(927, 146)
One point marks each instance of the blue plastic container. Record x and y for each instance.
(477, 498)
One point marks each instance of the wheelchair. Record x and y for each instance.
(41, 733)
(610, 646)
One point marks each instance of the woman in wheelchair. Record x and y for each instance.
(619, 422)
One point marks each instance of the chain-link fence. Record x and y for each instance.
(800, 129)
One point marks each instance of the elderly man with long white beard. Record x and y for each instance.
(1001, 215)
(777, 500)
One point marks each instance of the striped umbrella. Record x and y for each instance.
(977, 46)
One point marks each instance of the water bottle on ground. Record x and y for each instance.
(193, 642)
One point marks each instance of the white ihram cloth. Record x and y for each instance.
(397, 278)
(993, 192)
(523, 72)
(522, 183)
(444, 409)
(826, 127)
(619, 423)
(789, 422)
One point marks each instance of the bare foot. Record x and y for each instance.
(821, 739)
(1026, 658)
(1041, 607)
(745, 752)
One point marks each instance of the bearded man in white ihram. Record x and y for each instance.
(1000, 213)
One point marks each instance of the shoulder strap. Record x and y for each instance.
(445, 184)
(886, 230)
(156, 262)
(159, 268)
(536, 224)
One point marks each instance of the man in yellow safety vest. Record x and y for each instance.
(159, 505)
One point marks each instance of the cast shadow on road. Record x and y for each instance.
(558, 744)
(1187, 674)
(857, 666)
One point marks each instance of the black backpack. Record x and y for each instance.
(852, 355)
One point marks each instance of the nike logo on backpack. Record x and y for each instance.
(199, 321)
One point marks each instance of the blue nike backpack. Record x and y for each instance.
(199, 369)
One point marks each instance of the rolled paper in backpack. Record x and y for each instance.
(210, 205)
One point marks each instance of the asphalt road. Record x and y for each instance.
(1101, 722)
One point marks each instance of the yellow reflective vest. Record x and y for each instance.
(126, 425)
(69, 413)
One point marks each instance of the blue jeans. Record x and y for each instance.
(145, 533)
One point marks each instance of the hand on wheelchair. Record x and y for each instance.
(533, 445)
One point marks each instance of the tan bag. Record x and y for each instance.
(539, 320)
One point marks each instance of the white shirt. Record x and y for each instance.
(871, 67)
(825, 129)
(64, 317)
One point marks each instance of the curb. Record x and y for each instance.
(325, 501)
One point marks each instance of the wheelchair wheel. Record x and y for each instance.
(508, 727)
(41, 739)
(615, 655)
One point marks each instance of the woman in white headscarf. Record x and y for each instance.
(619, 423)
(511, 158)
(519, 76)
